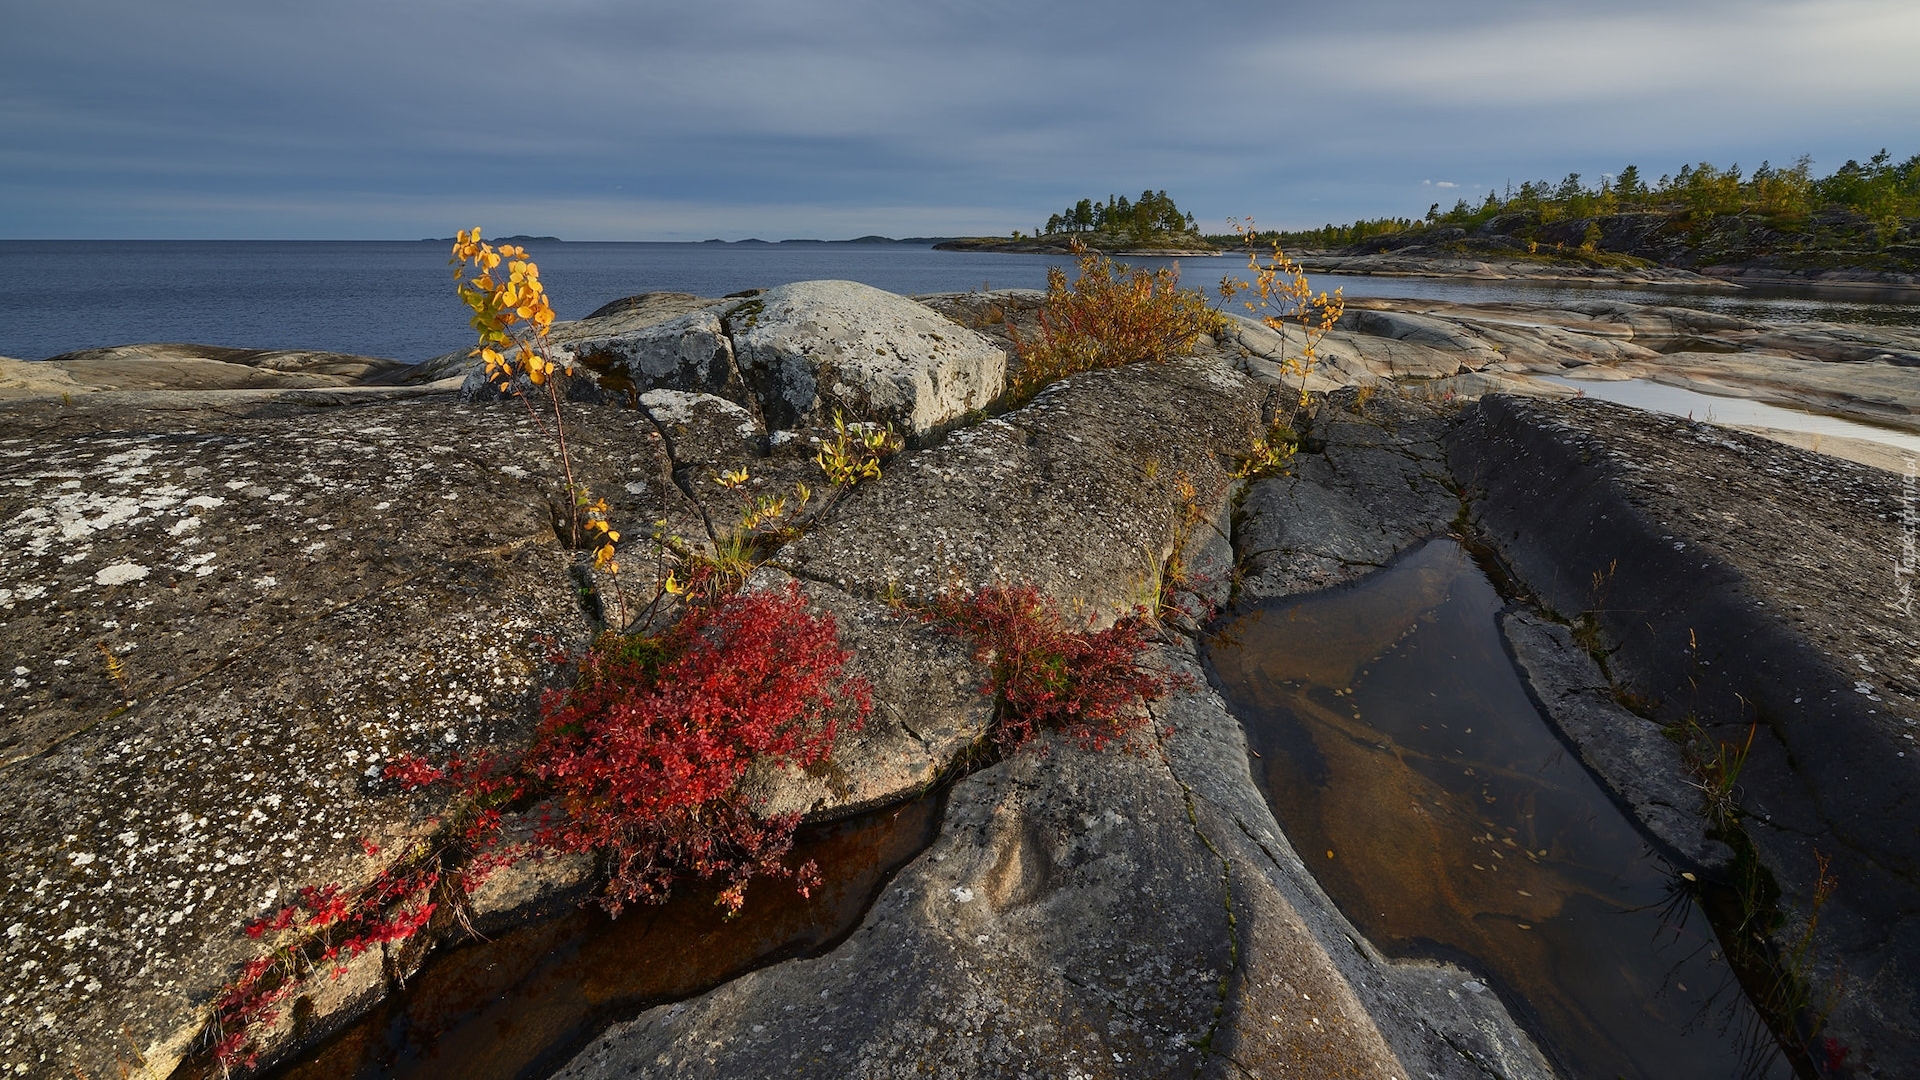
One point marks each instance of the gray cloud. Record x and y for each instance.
(599, 119)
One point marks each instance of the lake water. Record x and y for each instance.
(395, 299)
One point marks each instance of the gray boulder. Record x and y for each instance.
(812, 347)
(689, 353)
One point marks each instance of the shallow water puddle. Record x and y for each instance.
(521, 1004)
(1734, 411)
(1402, 755)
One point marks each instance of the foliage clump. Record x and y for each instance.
(1108, 316)
(1046, 673)
(643, 756)
(1152, 215)
(1881, 192)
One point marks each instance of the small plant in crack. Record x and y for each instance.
(1717, 766)
(512, 316)
(1045, 672)
(1272, 451)
(1284, 300)
(856, 452)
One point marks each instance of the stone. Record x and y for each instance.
(813, 347)
(1417, 329)
(689, 353)
(1630, 754)
(1093, 466)
(1379, 485)
(929, 710)
(292, 597)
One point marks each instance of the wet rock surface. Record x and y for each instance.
(1631, 754)
(1379, 485)
(1744, 584)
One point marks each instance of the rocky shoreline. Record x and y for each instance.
(299, 582)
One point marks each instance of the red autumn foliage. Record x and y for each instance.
(642, 758)
(645, 753)
(1047, 674)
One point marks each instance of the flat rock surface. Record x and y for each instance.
(1077, 493)
(292, 597)
(1379, 485)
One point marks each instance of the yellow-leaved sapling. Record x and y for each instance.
(512, 316)
(1283, 300)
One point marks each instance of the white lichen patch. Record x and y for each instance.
(120, 574)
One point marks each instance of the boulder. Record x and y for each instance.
(689, 353)
(813, 347)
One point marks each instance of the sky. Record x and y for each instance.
(646, 120)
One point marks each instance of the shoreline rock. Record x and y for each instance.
(334, 578)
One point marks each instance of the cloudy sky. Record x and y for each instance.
(647, 120)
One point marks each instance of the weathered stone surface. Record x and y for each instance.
(1128, 914)
(809, 348)
(1417, 329)
(212, 367)
(1088, 468)
(1630, 754)
(928, 710)
(1739, 580)
(167, 375)
(294, 596)
(689, 353)
(1379, 485)
(703, 430)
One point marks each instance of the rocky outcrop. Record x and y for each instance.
(221, 623)
(293, 594)
(1125, 914)
(1745, 585)
(690, 353)
(813, 347)
(1379, 486)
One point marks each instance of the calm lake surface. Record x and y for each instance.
(395, 298)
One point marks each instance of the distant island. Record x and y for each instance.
(910, 241)
(517, 238)
(1151, 225)
(1858, 225)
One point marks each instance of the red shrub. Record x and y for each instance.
(1089, 683)
(643, 758)
(644, 755)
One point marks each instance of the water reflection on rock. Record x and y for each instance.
(1402, 755)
